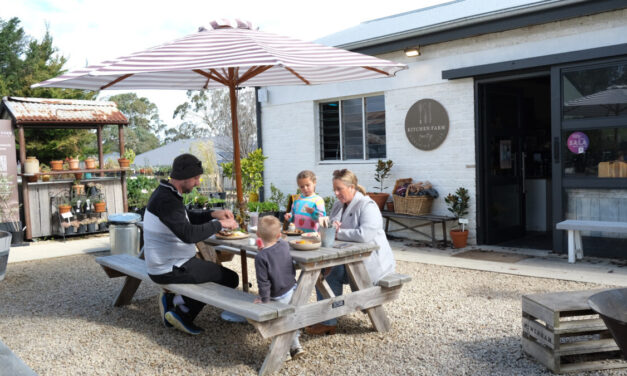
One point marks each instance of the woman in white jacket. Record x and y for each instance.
(357, 219)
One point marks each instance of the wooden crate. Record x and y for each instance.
(564, 334)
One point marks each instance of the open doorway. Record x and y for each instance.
(515, 162)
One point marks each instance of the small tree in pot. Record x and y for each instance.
(458, 205)
(382, 171)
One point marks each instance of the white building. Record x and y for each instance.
(514, 77)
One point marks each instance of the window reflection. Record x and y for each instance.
(605, 155)
(597, 92)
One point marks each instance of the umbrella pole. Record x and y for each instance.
(236, 156)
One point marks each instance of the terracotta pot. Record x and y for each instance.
(124, 163)
(90, 163)
(78, 176)
(379, 198)
(64, 208)
(79, 189)
(100, 207)
(390, 206)
(56, 165)
(459, 238)
(74, 164)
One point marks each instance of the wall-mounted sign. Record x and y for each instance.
(426, 124)
(578, 142)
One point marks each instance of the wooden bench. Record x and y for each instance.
(574, 228)
(232, 300)
(425, 220)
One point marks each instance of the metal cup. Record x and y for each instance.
(327, 236)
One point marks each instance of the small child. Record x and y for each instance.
(276, 276)
(309, 206)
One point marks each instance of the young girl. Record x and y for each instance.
(308, 207)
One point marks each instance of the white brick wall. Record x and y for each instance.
(290, 120)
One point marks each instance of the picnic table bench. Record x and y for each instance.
(424, 220)
(574, 228)
(277, 320)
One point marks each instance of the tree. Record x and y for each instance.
(208, 113)
(25, 61)
(144, 124)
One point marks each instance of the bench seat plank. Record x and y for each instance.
(587, 225)
(219, 296)
(393, 279)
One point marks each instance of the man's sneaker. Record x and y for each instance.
(176, 319)
(297, 352)
(165, 305)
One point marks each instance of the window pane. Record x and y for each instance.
(352, 129)
(598, 92)
(330, 131)
(375, 127)
(596, 152)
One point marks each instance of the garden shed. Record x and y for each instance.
(38, 197)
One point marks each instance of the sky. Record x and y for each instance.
(91, 31)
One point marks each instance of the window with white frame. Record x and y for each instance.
(352, 129)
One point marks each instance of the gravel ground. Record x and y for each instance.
(57, 316)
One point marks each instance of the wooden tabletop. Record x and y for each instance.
(339, 250)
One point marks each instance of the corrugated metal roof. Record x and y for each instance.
(62, 111)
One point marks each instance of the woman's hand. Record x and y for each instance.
(287, 216)
(337, 225)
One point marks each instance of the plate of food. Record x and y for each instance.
(292, 231)
(305, 244)
(310, 235)
(232, 234)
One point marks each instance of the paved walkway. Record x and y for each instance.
(525, 262)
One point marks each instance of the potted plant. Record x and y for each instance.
(43, 168)
(74, 163)
(78, 187)
(458, 205)
(56, 165)
(127, 158)
(100, 206)
(90, 163)
(382, 171)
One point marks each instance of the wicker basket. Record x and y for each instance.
(412, 205)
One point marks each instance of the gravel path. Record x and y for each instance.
(56, 315)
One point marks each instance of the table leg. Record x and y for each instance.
(444, 232)
(360, 278)
(578, 245)
(571, 246)
(125, 296)
(242, 253)
(281, 343)
(387, 224)
(433, 241)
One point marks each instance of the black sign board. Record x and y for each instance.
(426, 124)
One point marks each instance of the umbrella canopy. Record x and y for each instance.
(231, 54)
(613, 99)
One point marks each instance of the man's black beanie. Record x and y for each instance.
(186, 166)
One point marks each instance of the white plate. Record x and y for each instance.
(309, 245)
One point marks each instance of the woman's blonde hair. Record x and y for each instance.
(347, 177)
(306, 174)
(269, 228)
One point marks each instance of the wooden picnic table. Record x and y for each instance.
(366, 296)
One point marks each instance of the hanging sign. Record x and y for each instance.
(426, 124)
(578, 142)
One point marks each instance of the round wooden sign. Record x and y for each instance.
(426, 124)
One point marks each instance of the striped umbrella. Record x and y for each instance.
(231, 54)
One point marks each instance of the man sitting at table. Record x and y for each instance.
(170, 234)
